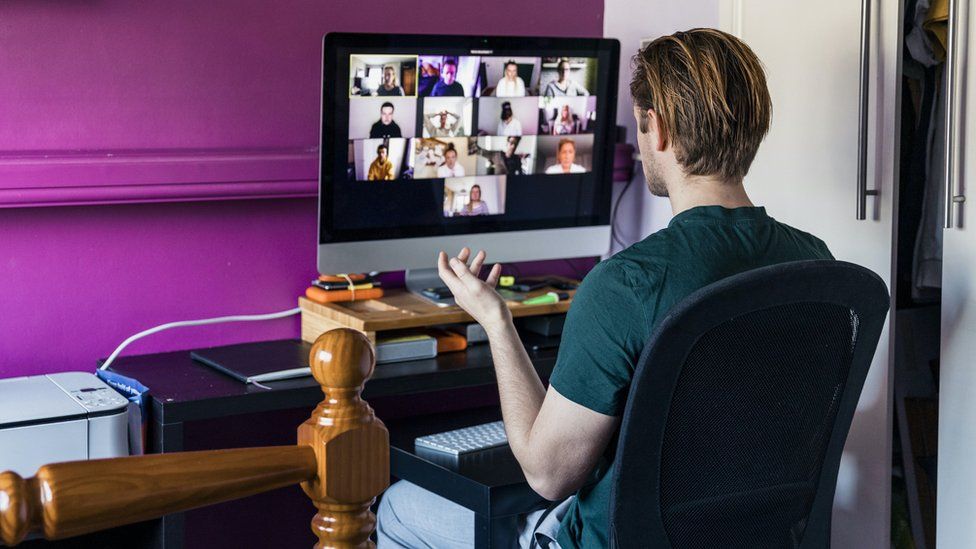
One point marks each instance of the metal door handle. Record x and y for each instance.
(952, 126)
(862, 113)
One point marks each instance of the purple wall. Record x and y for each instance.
(175, 80)
(136, 74)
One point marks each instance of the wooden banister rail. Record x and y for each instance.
(68, 499)
(341, 459)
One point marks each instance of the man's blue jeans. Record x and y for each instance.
(412, 517)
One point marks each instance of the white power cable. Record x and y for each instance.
(235, 318)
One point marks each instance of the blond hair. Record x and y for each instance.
(709, 92)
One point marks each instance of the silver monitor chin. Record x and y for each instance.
(421, 252)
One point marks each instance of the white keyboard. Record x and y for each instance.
(466, 440)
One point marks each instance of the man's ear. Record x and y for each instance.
(655, 126)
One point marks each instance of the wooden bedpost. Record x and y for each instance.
(351, 444)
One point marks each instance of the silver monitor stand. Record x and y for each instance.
(417, 280)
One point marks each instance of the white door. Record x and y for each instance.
(806, 174)
(956, 503)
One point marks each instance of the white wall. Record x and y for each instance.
(629, 21)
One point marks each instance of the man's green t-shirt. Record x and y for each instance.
(620, 303)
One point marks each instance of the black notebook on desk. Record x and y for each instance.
(258, 362)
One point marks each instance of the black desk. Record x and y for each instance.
(186, 394)
(490, 482)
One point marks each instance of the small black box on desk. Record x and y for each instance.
(548, 325)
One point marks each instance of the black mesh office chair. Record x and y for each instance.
(740, 406)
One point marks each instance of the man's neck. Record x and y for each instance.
(696, 191)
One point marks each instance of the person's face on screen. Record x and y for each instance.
(476, 194)
(565, 112)
(567, 155)
(386, 115)
(443, 119)
(563, 70)
(449, 73)
(388, 77)
(511, 71)
(381, 153)
(450, 158)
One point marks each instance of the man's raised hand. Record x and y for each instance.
(477, 297)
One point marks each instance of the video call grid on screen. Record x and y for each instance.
(447, 140)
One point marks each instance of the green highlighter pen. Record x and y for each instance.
(550, 297)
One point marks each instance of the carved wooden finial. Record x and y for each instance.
(351, 445)
(342, 359)
(19, 508)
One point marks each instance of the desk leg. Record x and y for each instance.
(168, 438)
(498, 532)
(482, 531)
(172, 531)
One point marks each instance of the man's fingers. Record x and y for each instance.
(479, 260)
(464, 276)
(460, 268)
(443, 268)
(446, 272)
(457, 271)
(496, 271)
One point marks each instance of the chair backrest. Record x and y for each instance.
(740, 406)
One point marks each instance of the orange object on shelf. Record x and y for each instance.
(448, 342)
(319, 295)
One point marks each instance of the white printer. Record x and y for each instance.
(59, 417)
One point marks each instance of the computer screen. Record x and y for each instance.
(426, 136)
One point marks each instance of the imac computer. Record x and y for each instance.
(433, 143)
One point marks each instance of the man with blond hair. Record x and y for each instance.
(702, 108)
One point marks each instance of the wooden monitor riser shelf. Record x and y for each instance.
(398, 310)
